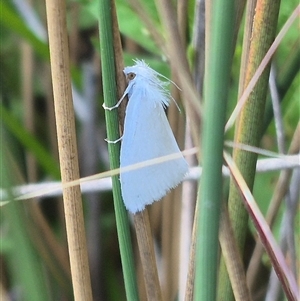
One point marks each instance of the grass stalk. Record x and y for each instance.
(65, 123)
(276, 256)
(233, 259)
(217, 73)
(146, 250)
(249, 125)
(250, 11)
(189, 291)
(176, 53)
(112, 126)
(280, 191)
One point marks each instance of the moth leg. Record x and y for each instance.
(113, 107)
(119, 102)
(115, 141)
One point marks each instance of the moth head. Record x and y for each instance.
(139, 72)
(140, 76)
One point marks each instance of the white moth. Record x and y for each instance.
(147, 135)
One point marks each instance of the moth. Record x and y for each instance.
(147, 135)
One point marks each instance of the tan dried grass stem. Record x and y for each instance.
(146, 249)
(65, 123)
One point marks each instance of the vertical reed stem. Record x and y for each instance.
(65, 123)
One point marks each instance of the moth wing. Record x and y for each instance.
(147, 135)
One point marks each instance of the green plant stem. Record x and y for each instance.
(112, 125)
(249, 125)
(218, 62)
